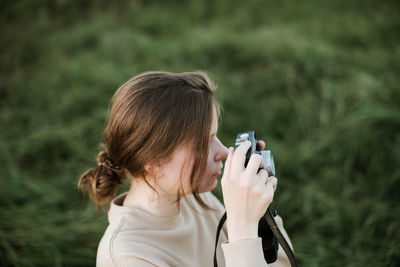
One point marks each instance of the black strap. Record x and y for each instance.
(269, 217)
(221, 223)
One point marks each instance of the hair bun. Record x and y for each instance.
(104, 159)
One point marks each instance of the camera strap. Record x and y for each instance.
(269, 217)
(220, 224)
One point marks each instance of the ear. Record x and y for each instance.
(152, 169)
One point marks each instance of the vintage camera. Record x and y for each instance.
(267, 159)
(269, 241)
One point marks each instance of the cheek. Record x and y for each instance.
(210, 160)
(177, 171)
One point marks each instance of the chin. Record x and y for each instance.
(208, 187)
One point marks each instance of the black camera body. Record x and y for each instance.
(269, 241)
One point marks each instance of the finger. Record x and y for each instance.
(270, 191)
(254, 163)
(239, 156)
(260, 145)
(228, 162)
(273, 181)
(262, 176)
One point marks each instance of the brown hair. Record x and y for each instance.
(151, 115)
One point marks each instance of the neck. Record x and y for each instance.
(141, 196)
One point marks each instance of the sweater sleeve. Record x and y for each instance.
(127, 260)
(283, 260)
(241, 253)
(244, 253)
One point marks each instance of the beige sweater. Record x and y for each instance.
(135, 237)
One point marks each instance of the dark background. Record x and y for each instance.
(318, 80)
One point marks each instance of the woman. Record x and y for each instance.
(162, 136)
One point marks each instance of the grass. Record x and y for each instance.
(318, 81)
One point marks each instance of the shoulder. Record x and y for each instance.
(124, 245)
(105, 251)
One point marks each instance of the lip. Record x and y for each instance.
(217, 174)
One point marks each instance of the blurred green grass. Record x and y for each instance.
(318, 80)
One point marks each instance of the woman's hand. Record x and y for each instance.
(247, 194)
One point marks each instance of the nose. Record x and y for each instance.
(222, 153)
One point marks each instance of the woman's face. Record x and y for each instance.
(216, 153)
(181, 161)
